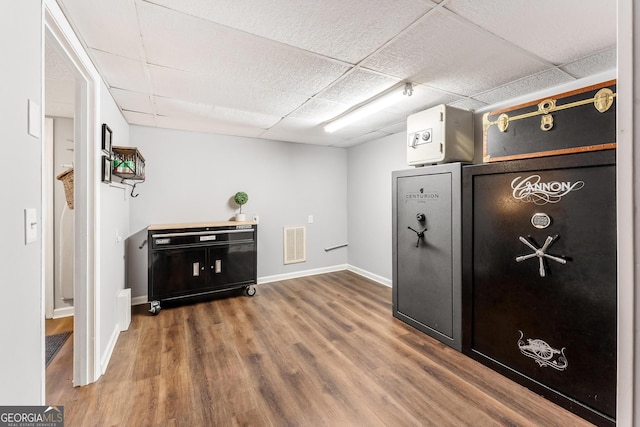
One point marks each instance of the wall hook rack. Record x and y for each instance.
(133, 187)
(129, 165)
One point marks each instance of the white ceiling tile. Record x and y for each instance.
(62, 91)
(143, 119)
(423, 97)
(524, 86)
(54, 108)
(357, 87)
(468, 104)
(593, 64)
(395, 128)
(121, 72)
(558, 31)
(239, 68)
(319, 110)
(55, 67)
(446, 53)
(132, 101)
(187, 43)
(195, 124)
(110, 26)
(200, 88)
(371, 123)
(183, 109)
(367, 137)
(348, 31)
(302, 131)
(59, 96)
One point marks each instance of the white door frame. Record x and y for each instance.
(628, 195)
(86, 340)
(47, 216)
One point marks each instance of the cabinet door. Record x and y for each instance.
(424, 290)
(177, 272)
(232, 264)
(544, 279)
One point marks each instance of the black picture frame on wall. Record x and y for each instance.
(106, 169)
(106, 139)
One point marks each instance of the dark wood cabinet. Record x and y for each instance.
(190, 261)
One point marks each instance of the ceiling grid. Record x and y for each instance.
(279, 70)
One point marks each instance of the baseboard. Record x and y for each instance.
(106, 357)
(59, 313)
(369, 275)
(303, 273)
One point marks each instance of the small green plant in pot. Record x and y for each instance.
(240, 198)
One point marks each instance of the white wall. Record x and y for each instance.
(22, 302)
(63, 140)
(369, 188)
(192, 177)
(114, 228)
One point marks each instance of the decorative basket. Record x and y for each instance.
(128, 163)
(66, 178)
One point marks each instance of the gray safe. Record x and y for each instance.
(427, 265)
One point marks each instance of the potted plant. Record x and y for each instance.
(241, 198)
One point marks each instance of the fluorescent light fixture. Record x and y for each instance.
(373, 106)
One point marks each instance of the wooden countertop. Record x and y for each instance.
(200, 225)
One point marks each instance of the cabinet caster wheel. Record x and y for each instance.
(250, 291)
(154, 307)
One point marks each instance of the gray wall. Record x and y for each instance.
(21, 305)
(369, 188)
(114, 228)
(191, 177)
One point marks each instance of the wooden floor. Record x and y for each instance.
(317, 351)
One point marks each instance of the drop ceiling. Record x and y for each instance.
(280, 69)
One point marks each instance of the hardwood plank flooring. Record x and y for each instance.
(58, 326)
(60, 370)
(316, 351)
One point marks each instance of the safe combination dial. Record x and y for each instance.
(541, 253)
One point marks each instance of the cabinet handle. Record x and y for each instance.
(196, 269)
(218, 266)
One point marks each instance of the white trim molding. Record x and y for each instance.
(382, 280)
(304, 273)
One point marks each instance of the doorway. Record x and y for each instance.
(58, 194)
(58, 180)
(59, 37)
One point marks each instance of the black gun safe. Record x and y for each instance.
(539, 276)
(187, 261)
(426, 250)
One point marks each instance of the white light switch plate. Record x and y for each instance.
(30, 226)
(33, 118)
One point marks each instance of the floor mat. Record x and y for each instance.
(53, 344)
